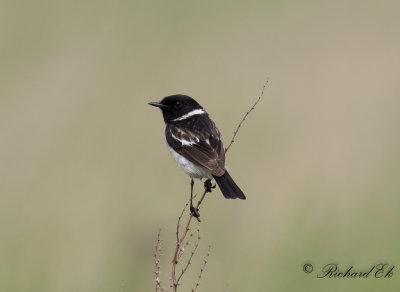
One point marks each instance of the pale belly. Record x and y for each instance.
(188, 167)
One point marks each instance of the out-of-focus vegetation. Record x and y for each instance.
(86, 178)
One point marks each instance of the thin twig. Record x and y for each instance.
(192, 253)
(157, 255)
(202, 269)
(245, 116)
(179, 220)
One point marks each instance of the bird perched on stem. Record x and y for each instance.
(196, 144)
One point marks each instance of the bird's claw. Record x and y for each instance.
(208, 186)
(195, 213)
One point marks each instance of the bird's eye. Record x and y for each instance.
(177, 104)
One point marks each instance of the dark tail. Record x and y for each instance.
(228, 187)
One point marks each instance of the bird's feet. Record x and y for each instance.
(208, 186)
(195, 212)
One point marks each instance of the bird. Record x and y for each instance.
(196, 144)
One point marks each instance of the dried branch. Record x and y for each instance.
(179, 220)
(245, 116)
(202, 269)
(192, 253)
(179, 244)
(157, 255)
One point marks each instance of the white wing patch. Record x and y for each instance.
(183, 141)
(186, 142)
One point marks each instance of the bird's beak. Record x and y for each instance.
(158, 104)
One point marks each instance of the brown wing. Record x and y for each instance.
(200, 142)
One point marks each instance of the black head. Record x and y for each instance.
(175, 106)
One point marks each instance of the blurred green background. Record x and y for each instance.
(87, 180)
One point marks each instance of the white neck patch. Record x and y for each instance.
(189, 114)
